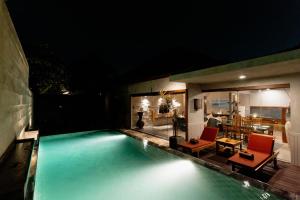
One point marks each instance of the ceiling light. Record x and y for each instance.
(242, 76)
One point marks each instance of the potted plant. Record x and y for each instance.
(166, 103)
(175, 139)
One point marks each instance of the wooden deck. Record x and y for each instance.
(287, 179)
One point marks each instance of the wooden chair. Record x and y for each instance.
(207, 139)
(261, 146)
(257, 121)
(247, 127)
(235, 129)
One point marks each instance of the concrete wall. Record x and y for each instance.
(15, 97)
(195, 117)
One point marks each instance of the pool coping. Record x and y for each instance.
(29, 193)
(31, 174)
(253, 182)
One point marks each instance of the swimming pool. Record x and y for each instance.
(110, 165)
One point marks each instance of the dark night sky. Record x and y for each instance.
(154, 37)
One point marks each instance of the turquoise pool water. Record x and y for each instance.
(110, 165)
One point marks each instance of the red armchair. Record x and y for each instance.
(261, 146)
(207, 139)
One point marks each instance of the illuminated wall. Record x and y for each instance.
(150, 106)
(195, 117)
(15, 97)
(149, 87)
(277, 97)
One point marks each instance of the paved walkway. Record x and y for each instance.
(13, 171)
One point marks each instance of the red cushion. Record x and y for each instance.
(259, 158)
(261, 143)
(209, 134)
(193, 146)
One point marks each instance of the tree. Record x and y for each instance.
(47, 74)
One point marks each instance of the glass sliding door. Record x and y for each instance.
(159, 112)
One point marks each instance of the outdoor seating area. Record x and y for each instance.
(250, 156)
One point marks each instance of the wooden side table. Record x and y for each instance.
(227, 142)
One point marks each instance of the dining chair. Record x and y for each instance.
(257, 121)
(235, 129)
(247, 127)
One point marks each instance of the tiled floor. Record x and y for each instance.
(13, 172)
(283, 148)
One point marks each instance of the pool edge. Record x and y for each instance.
(254, 182)
(31, 174)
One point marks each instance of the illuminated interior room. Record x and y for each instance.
(159, 113)
(268, 110)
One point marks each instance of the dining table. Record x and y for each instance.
(257, 128)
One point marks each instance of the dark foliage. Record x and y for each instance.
(47, 74)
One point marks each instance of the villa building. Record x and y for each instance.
(266, 88)
(127, 164)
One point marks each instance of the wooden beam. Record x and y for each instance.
(258, 87)
(283, 121)
(158, 93)
(186, 114)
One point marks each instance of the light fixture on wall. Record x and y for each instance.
(159, 101)
(145, 104)
(175, 103)
(197, 104)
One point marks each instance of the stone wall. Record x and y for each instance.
(15, 97)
